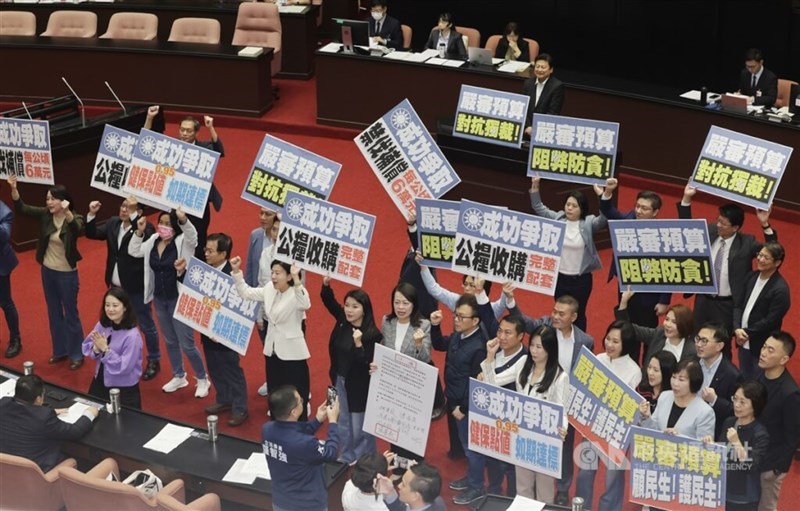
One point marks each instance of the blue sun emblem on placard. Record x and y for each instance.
(196, 275)
(112, 142)
(480, 397)
(294, 208)
(400, 118)
(147, 145)
(472, 219)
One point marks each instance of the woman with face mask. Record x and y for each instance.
(57, 252)
(172, 244)
(351, 347)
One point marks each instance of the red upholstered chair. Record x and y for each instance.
(208, 502)
(784, 92)
(407, 32)
(492, 42)
(71, 24)
(26, 488)
(92, 491)
(533, 48)
(259, 24)
(140, 26)
(472, 37)
(195, 30)
(319, 13)
(17, 23)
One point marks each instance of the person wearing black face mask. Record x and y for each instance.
(383, 29)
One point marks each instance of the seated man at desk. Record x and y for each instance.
(546, 91)
(383, 29)
(758, 83)
(446, 39)
(33, 431)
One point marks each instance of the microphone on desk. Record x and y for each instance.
(124, 110)
(83, 108)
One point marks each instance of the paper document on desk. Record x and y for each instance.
(398, 55)
(73, 413)
(496, 61)
(514, 66)
(8, 388)
(521, 503)
(420, 57)
(257, 465)
(291, 9)
(436, 61)
(755, 108)
(331, 48)
(236, 473)
(170, 437)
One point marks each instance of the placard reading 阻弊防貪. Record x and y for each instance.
(437, 222)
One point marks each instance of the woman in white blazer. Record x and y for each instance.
(285, 301)
(682, 410)
(173, 242)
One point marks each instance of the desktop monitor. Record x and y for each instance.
(352, 33)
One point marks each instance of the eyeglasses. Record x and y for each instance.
(702, 341)
(739, 400)
(459, 317)
(764, 257)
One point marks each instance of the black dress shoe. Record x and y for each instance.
(217, 408)
(14, 347)
(153, 367)
(561, 498)
(56, 360)
(75, 364)
(237, 419)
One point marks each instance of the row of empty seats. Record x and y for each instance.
(257, 24)
(27, 488)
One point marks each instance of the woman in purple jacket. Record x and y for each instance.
(115, 344)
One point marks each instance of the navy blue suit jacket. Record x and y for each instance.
(390, 32)
(8, 258)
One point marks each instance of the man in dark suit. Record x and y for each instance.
(8, 261)
(223, 362)
(546, 91)
(756, 82)
(187, 132)
(33, 431)
(127, 272)
(419, 489)
(736, 250)
(761, 306)
(383, 29)
(643, 308)
(720, 376)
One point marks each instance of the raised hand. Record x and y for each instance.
(236, 263)
(152, 111)
(436, 318)
(95, 206)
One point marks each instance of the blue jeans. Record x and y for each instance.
(611, 500)
(353, 441)
(475, 462)
(145, 314)
(61, 296)
(178, 337)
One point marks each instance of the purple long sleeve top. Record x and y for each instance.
(122, 365)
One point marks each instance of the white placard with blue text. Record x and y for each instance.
(281, 167)
(25, 151)
(492, 116)
(503, 245)
(113, 161)
(437, 222)
(208, 302)
(171, 172)
(405, 158)
(325, 238)
(515, 428)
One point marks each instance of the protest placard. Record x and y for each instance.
(493, 116)
(437, 222)
(113, 161)
(25, 151)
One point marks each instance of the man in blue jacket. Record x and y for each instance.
(295, 456)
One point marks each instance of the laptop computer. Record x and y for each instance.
(734, 103)
(480, 56)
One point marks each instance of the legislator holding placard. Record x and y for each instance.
(281, 167)
(208, 302)
(492, 116)
(676, 472)
(437, 222)
(515, 428)
(325, 238)
(740, 168)
(572, 149)
(405, 158)
(501, 245)
(400, 399)
(172, 173)
(112, 166)
(602, 407)
(663, 256)
(25, 151)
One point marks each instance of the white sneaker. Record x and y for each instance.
(263, 390)
(175, 383)
(203, 384)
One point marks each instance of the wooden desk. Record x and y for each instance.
(660, 135)
(180, 76)
(299, 30)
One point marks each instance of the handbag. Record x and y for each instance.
(143, 480)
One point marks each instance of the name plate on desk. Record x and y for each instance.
(491, 116)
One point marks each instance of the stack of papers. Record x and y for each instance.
(7, 388)
(251, 51)
(514, 66)
(170, 437)
(73, 413)
(245, 471)
(291, 9)
(331, 48)
(436, 61)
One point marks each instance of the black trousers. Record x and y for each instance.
(227, 375)
(578, 287)
(289, 372)
(129, 397)
(719, 310)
